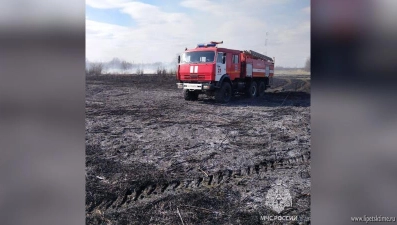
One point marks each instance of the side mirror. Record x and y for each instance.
(179, 58)
(223, 59)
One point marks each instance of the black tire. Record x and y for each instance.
(224, 94)
(195, 96)
(186, 95)
(190, 95)
(261, 89)
(252, 90)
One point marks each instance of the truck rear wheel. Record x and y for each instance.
(261, 89)
(190, 95)
(224, 94)
(252, 90)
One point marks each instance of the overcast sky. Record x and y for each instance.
(157, 30)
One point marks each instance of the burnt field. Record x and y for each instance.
(154, 158)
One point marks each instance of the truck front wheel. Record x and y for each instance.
(190, 95)
(224, 94)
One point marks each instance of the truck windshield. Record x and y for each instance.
(198, 57)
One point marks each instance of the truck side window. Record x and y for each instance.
(235, 59)
(219, 58)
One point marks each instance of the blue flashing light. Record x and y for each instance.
(206, 45)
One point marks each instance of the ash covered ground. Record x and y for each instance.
(154, 158)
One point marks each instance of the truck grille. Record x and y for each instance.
(194, 77)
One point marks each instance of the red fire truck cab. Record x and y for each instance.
(222, 72)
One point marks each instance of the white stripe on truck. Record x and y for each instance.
(193, 69)
(259, 70)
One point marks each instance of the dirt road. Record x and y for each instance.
(154, 158)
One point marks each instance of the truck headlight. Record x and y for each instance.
(206, 86)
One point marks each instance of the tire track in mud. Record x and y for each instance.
(151, 191)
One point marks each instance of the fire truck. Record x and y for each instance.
(223, 72)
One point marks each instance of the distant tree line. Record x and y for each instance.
(305, 67)
(159, 68)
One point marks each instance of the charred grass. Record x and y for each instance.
(151, 154)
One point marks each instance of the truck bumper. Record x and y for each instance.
(196, 86)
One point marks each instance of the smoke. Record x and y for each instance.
(120, 66)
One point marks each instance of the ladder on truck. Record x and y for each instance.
(258, 55)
